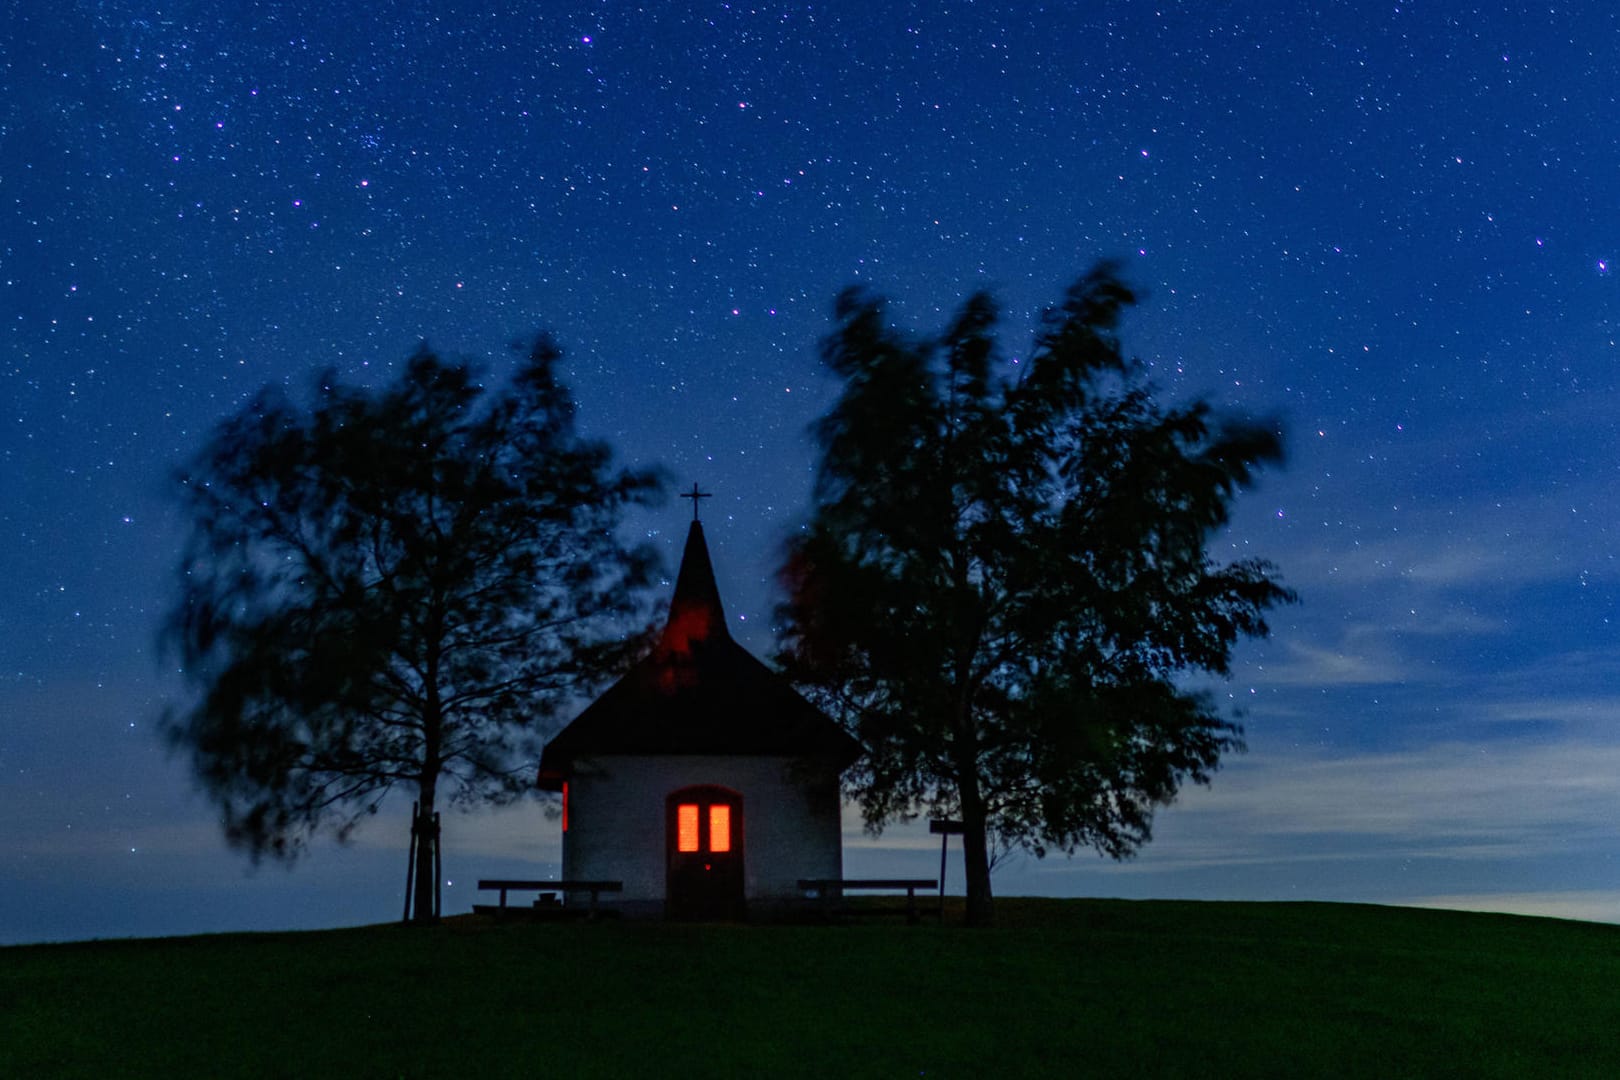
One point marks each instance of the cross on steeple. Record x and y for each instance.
(695, 495)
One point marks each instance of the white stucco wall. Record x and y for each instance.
(616, 807)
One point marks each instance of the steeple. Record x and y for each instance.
(695, 614)
(697, 692)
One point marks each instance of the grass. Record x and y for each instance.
(1059, 988)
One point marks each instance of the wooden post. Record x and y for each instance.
(410, 867)
(944, 828)
(438, 869)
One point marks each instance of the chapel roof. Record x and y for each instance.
(698, 692)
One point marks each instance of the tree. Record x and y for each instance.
(1004, 582)
(394, 588)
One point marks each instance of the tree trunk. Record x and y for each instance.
(427, 849)
(975, 838)
(975, 853)
(427, 825)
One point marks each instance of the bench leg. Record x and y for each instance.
(911, 906)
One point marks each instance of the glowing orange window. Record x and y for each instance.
(686, 827)
(719, 827)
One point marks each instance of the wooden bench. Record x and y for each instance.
(545, 889)
(832, 889)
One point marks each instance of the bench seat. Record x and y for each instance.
(829, 890)
(545, 888)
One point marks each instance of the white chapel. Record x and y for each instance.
(700, 780)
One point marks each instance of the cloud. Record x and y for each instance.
(99, 839)
(1451, 803)
(1321, 666)
(1398, 643)
(1593, 712)
(1499, 795)
(522, 831)
(1492, 541)
(1432, 825)
(1468, 564)
(1429, 558)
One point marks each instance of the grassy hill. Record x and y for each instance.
(1061, 988)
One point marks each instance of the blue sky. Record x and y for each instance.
(1395, 225)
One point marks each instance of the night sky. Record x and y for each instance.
(1395, 225)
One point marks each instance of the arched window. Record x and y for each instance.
(697, 831)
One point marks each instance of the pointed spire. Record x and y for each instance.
(695, 613)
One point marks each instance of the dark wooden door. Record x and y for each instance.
(705, 845)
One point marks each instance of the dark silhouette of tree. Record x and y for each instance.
(1004, 581)
(394, 589)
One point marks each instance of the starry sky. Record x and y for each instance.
(1394, 224)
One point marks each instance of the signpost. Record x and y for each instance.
(944, 828)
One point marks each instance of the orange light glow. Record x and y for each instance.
(565, 806)
(686, 827)
(719, 828)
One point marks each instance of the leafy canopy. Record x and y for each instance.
(394, 587)
(1005, 577)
